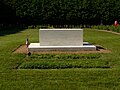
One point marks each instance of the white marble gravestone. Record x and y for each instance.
(60, 39)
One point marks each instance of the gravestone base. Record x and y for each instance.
(35, 47)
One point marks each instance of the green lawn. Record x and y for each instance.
(60, 79)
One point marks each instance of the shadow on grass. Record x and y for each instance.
(4, 32)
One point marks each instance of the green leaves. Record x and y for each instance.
(65, 12)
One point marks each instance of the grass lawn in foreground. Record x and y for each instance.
(60, 79)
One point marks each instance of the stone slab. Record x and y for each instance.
(35, 47)
(61, 37)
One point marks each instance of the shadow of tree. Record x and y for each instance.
(11, 31)
(8, 20)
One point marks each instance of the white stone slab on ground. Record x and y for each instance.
(35, 47)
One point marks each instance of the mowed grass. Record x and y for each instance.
(60, 79)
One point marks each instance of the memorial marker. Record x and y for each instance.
(60, 39)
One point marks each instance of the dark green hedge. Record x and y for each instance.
(63, 64)
(53, 12)
(63, 61)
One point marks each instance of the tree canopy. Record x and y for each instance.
(33, 12)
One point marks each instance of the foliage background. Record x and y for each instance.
(59, 12)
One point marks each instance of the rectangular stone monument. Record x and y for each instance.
(60, 40)
(61, 37)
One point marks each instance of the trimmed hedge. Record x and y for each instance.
(60, 12)
(62, 61)
(64, 56)
(63, 64)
